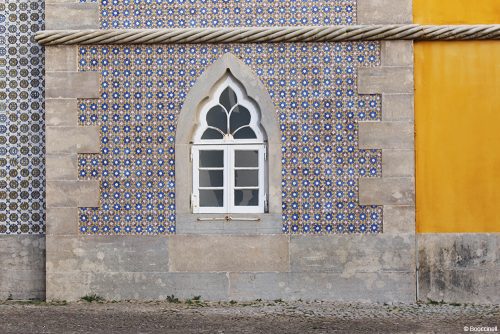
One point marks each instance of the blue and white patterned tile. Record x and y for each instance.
(314, 90)
(135, 14)
(22, 189)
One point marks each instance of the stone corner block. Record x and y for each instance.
(72, 85)
(61, 167)
(387, 191)
(61, 112)
(61, 58)
(397, 107)
(390, 135)
(384, 79)
(397, 53)
(62, 221)
(70, 15)
(399, 219)
(398, 163)
(68, 140)
(384, 11)
(70, 194)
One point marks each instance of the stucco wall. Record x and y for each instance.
(457, 156)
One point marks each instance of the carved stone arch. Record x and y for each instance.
(188, 122)
(188, 118)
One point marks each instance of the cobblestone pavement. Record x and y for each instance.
(196, 316)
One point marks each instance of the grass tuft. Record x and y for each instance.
(92, 298)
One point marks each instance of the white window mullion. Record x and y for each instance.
(262, 177)
(195, 193)
(227, 179)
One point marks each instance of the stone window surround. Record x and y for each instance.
(187, 222)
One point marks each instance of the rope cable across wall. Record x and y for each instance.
(271, 34)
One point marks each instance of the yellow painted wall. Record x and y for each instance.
(456, 11)
(457, 122)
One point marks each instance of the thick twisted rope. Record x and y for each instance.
(271, 34)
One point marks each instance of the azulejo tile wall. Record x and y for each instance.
(313, 87)
(22, 189)
(135, 14)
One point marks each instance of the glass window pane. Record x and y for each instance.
(246, 178)
(246, 158)
(212, 134)
(240, 116)
(244, 133)
(211, 158)
(246, 197)
(228, 98)
(211, 178)
(211, 198)
(217, 118)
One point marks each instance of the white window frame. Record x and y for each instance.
(243, 100)
(229, 178)
(229, 145)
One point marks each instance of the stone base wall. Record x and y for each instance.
(459, 267)
(229, 267)
(22, 267)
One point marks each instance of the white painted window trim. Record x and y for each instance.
(229, 179)
(243, 100)
(229, 145)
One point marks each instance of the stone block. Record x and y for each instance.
(22, 252)
(389, 135)
(61, 58)
(72, 85)
(61, 167)
(397, 107)
(393, 80)
(189, 224)
(199, 253)
(22, 284)
(104, 254)
(352, 254)
(62, 221)
(387, 191)
(70, 140)
(67, 286)
(183, 180)
(361, 287)
(22, 259)
(65, 15)
(137, 285)
(399, 219)
(398, 163)
(459, 267)
(384, 11)
(67, 194)
(397, 53)
(62, 1)
(61, 112)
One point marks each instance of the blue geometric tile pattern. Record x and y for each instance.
(313, 87)
(135, 14)
(22, 186)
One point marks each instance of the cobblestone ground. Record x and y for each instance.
(255, 317)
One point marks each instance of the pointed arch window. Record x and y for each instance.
(229, 153)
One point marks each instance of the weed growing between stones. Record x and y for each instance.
(92, 298)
